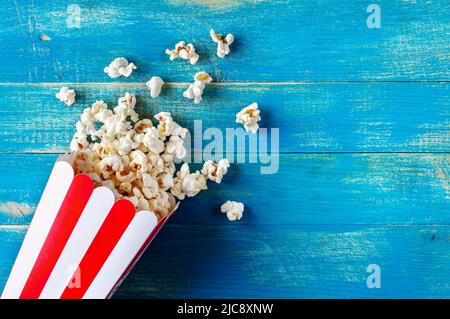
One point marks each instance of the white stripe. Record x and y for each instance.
(51, 200)
(91, 219)
(126, 249)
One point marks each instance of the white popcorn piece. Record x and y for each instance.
(166, 124)
(249, 117)
(152, 141)
(187, 184)
(223, 44)
(215, 172)
(234, 210)
(195, 90)
(150, 182)
(143, 126)
(100, 112)
(154, 85)
(110, 164)
(125, 176)
(44, 37)
(138, 161)
(120, 67)
(165, 181)
(175, 147)
(85, 161)
(66, 95)
(125, 188)
(79, 142)
(125, 107)
(183, 51)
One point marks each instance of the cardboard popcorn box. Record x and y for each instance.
(81, 243)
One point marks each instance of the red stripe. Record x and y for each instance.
(148, 241)
(110, 232)
(77, 196)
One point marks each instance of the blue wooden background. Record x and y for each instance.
(364, 119)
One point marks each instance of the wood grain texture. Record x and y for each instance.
(275, 40)
(308, 189)
(243, 261)
(383, 117)
(364, 174)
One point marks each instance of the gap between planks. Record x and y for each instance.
(381, 225)
(177, 84)
(56, 152)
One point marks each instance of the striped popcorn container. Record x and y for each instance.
(81, 243)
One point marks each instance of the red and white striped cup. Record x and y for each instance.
(81, 242)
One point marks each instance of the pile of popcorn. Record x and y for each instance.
(135, 159)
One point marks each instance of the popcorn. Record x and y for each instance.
(215, 172)
(165, 181)
(44, 37)
(154, 85)
(126, 107)
(249, 117)
(110, 164)
(195, 90)
(120, 67)
(223, 44)
(135, 159)
(79, 142)
(99, 112)
(183, 51)
(143, 126)
(175, 147)
(187, 184)
(125, 188)
(150, 182)
(234, 210)
(152, 141)
(138, 161)
(65, 95)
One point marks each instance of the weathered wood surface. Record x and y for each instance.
(275, 40)
(364, 128)
(307, 189)
(374, 117)
(235, 261)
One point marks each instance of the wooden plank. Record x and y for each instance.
(307, 189)
(288, 40)
(272, 261)
(383, 117)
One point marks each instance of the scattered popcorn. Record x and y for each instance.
(223, 44)
(249, 117)
(135, 159)
(234, 210)
(183, 51)
(215, 172)
(195, 90)
(65, 95)
(120, 67)
(154, 85)
(44, 37)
